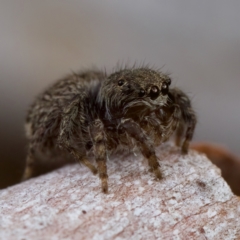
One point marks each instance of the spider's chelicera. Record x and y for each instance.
(92, 112)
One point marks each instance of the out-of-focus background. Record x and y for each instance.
(197, 41)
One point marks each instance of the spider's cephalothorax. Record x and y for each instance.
(93, 112)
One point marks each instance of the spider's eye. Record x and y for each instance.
(120, 82)
(141, 93)
(154, 92)
(169, 81)
(164, 88)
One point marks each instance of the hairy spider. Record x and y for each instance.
(95, 112)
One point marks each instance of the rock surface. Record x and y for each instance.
(225, 160)
(191, 202)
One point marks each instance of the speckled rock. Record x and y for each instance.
(191, 202)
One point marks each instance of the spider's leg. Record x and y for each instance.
(78, 155)
(67, 126)
(188, 118)
(191, 123)
(28, 171)
(99, 144)
(147, 148)
(179, 133)
(34, 143)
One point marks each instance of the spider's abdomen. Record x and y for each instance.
(46, 113)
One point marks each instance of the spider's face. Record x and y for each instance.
(136, 91)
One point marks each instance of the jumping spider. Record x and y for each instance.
(95, 112)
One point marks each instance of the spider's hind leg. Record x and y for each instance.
(29, 168)
(67, 127)
(80, 156)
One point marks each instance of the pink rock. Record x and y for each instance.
(192, 202)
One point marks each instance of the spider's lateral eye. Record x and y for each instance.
(169, 81)
(164, 88)
(141, 93)
(154, 92)
(120, 82)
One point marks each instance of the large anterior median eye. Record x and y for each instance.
(154, 92)
(164, 88)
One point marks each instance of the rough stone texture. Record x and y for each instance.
(225, 160)
(191, 202)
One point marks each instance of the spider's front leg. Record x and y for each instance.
(135, 131)
(99, 144)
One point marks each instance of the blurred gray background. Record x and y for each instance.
(197, 41)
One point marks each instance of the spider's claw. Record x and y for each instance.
(150, 170)
(104, 186)
(185, 147)
(158, 174)
(94, 171)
